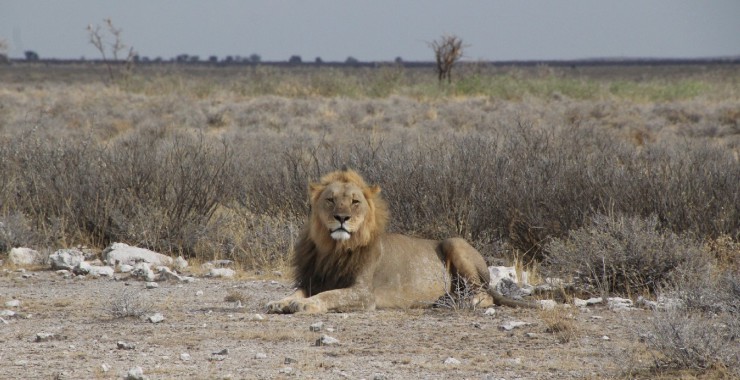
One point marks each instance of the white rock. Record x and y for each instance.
(105, 367)
(316, 326)
(221, 272)
(490, 312)
(511, 325)
(498, 273)
(258, 317)
(327, 340)
(121, 345)
(7, 313)
(143, 271)
(199, 293)
(13, 303)
(45, 337)
(451, 361)
(85, 268)
(152, 285)
(136, 373)
(156, 318)
(185, 357)
(180, 263)
(619, 304)
(165, 274)
(125, 268)
(260, 355)
(66, 259)
(24, 257)
(125, 254)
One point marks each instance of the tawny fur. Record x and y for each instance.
(372, 268)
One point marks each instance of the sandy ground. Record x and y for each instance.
(199, 321)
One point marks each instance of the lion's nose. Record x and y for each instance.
(341, 218)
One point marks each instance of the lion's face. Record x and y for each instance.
(345, 212)
(342, 208)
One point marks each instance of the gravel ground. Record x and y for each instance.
(201, 318)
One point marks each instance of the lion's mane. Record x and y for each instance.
(322, 263)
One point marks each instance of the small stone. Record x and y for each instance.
(221, 273)
(258, 317)
(199, 293)
(225, 351)
(327, 340)
(451, 361)
(13, 303)
(286, 370)
(136, 373)
(490, 312)
(180, 263)
(185, 357)
(156, 318)
(531, 335)
(217, 358)
(260, 355)
(316, 327)
(289, 360)
(152, 285)
(105, 367)
(605, 337)
(125, 268)
(45, 337)
(511, 325)
(125, 346)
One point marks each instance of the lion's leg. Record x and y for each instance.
(468, 264)
(283, 306)
(337, 300)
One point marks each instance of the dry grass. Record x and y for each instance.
(625, 178)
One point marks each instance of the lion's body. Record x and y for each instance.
(344, 260)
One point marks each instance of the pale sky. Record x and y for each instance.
(380, 30)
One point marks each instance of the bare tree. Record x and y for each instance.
(98, 39)
(447, 50)
(3, 50)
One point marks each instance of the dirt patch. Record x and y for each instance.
(203, 318)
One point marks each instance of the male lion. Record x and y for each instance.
(344, 260)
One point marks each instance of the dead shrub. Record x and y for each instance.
(625, 255)
(692, 340)
(560, 322)
(129, 303)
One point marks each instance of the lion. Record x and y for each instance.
(345, 261)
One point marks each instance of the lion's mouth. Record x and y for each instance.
(340, 234)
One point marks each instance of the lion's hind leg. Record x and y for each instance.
(469, 271)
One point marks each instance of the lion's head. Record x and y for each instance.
(346, 213)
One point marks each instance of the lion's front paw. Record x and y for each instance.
(278, 307)
(307, 306)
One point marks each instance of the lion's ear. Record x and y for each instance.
(314, 190)
(372, 191)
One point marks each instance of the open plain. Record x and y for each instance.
(619, 179)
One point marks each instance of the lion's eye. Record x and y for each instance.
(330, 201)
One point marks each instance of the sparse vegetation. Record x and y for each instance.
(129, 304)
(623, 180)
